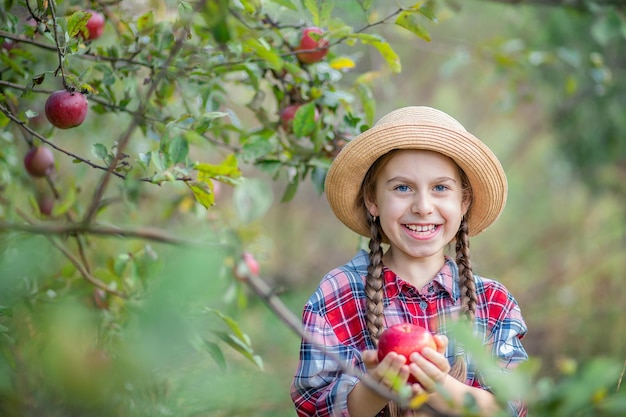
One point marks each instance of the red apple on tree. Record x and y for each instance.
(308, 43)
(46, 204)
(8, 44)
(94, 26)
(405, 339)
(39, 161)
(288, 113)
(65, 109)
(247, 266)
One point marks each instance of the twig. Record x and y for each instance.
(81, 267)
(99, 230)
(100, 189)
(83, 271)
(619, 381)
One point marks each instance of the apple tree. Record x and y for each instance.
(121, 126)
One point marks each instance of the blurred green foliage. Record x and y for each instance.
(123, 300)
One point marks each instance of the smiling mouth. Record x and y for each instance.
(419, 228)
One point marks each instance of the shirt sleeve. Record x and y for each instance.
(320, 387)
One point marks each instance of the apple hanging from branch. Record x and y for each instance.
(405, 339)
(39, 161)
(248, 265)
(288, 113)
(65, 109)
(94, 27)
(308, 42)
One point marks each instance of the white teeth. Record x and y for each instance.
(419, 228)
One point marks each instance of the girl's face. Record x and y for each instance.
(419, 199)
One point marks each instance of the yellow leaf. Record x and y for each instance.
(203, 193)
(342, 62)
(418, 400)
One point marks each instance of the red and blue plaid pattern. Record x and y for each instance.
(335, 316)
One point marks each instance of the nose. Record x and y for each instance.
(422, 204)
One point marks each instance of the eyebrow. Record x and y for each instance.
(404, 179)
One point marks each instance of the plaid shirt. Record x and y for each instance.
(335, 315)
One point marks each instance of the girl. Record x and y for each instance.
(413, 183)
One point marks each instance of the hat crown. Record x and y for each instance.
(416, 127)
(421, 114)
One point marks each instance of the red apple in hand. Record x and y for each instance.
(94, 26)
(404, 339)
(66, 109)
(39, 161)
(308, 43)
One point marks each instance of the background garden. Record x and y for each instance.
(118, 266)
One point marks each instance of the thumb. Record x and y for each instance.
(442, 342)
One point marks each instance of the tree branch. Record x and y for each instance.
(48, 229)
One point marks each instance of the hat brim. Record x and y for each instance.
(482, 167)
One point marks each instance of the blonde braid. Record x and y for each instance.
(466, 275)
(374, 283)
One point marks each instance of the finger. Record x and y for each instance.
(429, 371)
(424, 381)
(392, 371)
(441, 340)
(437, 358)
(370, 358)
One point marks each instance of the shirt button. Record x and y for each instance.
(431, 288)
(423, 305)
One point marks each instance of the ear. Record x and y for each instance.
(465, 205)
(371, 207)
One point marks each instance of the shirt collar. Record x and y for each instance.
(447, 279)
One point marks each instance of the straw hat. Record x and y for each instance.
(417, 127)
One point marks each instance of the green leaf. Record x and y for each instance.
(326, 11)
(410, 21)
(304, 120)
(387, 53)
(291, 189)
(248, 6)
(232, 325)
(77, 22)
(264, 52)
(426, 9)
(227, 171)
(366, 4)
(178, 149)
(216, 353)
(145, 21)
(313, 8)
(252, 199)
(368, 101)
(286, 3)
(6, 311)
(100, 151)
(256, 147)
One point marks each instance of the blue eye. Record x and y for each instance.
(403, 188)
(440, 187)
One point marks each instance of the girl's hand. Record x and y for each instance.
(392, 371)
(431, 367)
